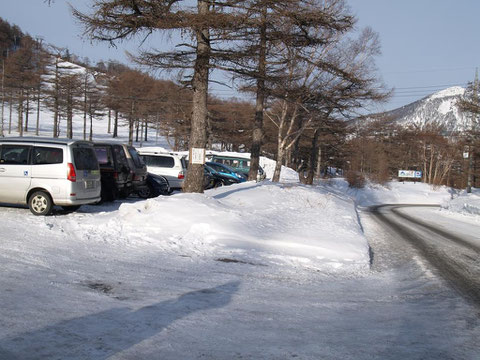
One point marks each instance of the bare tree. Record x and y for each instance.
(334, 77)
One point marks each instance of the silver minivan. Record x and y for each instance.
(43, 172)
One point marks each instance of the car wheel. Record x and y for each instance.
(71, 208)
(123, 194)
(146, 192)
(40, 203)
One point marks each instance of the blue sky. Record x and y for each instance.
(427, 45)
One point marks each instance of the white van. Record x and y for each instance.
(46, 172)
(169, 165)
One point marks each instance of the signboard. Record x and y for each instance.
(410, 174)
(197, 156)
(465, 155)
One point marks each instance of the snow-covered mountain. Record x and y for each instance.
(439, 108)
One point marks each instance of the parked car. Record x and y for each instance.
(241, 165)
(170, 165)
(215, 179)
(227, 173)
(138, 167)
(116, 173)
(42, 173)
(156, 185)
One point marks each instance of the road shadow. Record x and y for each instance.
(102, 335)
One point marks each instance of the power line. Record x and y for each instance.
(430, 86)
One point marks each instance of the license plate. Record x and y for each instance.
(89, 184)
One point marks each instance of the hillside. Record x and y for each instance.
(439, 108)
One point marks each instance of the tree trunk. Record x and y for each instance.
(55, 101)
(69, 114)
(90, 135)
(37, 127)
(131, 124)
(257, 136)
(313, 157)
(115, 125)
(27, 111)
(278, 164)
(109, 120)
(137, 128)
(146, 131)
(318, 171)
(10, 108)
(20, 113)
(198, 133)
(85, 91)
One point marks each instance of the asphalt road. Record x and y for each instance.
(454, 258)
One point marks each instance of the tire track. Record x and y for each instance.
(459, 268)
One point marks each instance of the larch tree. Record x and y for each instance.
(21, 74)
(253, 55)
(114, 20)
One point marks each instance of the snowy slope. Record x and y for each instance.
(439, 108)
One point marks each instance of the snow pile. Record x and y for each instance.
(391, 193)
(287, 175)
(261, 224)
(464, 203)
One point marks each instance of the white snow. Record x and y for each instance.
(392, 193)
(451, 91)
(464, 203)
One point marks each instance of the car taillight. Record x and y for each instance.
(71, 174)
(115, 175)
(181, 175)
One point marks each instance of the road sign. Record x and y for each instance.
(410, 174)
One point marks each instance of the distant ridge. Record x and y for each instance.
(439, 108)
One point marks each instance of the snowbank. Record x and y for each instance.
(392, 193)
(451, 200)
(252, 223)
(464, 203)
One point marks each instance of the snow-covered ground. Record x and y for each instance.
(256, 271)
(250, 271)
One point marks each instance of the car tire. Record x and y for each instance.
(147, 192)
(40, 203)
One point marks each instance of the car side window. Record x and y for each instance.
(160, 161)
(14, 154)
(47, 155)
(120, 155)
(137, 160)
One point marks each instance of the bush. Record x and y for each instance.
(355, 179)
